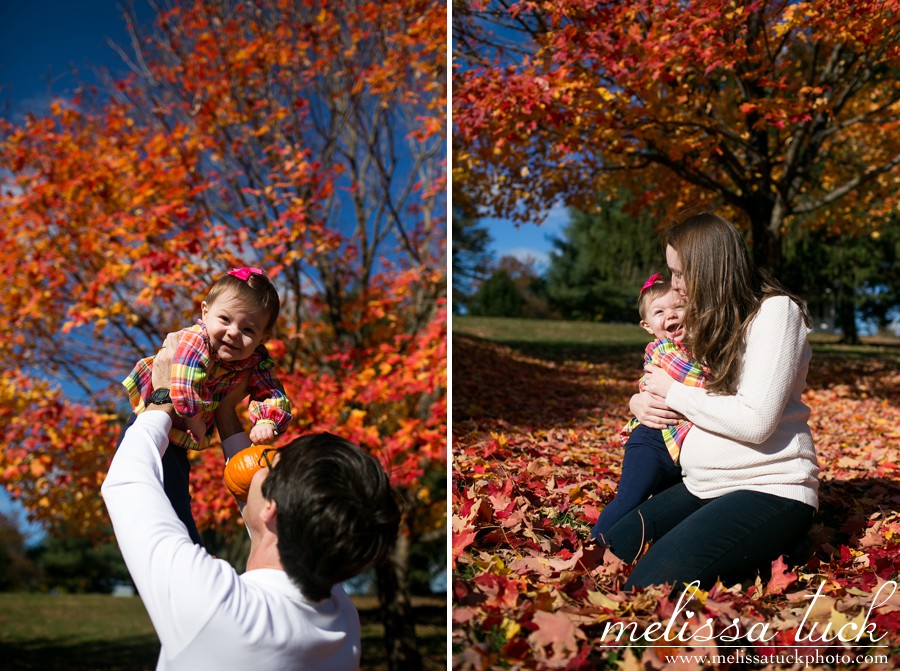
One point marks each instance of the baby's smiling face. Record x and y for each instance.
(234, 330)
(665, 317)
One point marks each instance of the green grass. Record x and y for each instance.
(549, 331)
(557, 340)
(591, 341)
(84, 632)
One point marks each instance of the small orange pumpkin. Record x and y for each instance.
(240, 469)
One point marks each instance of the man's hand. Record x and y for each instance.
(227, 421)
(161, 374)
(235, 396)
(162, 363)
(262, 433)
(196, 428)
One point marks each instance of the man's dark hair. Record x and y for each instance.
(336, 512)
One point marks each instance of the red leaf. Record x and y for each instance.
(462, 540)
(781, 578)
(557, 631)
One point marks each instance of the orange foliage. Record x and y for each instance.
(770, 109)
(303, 138)
(55, 454)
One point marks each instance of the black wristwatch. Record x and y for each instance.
(159, 397)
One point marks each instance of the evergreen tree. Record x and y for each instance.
(17, 571)
(851, 276)
(471, 257)
(498, 296)
(76, 564)
(600, 262)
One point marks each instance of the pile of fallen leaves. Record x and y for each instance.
(536, 456)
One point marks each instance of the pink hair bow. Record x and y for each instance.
(650, 282)
(245, 273)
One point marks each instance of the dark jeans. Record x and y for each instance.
(176, 483)
(647, 469)
(728, 538)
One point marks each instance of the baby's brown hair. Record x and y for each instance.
(653, 288)
(256, 291)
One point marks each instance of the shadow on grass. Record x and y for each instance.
(859, 371)
(431, 635)
(140, 652)
(564, 351)
(135, 653)
(544, 384)
(541, 386)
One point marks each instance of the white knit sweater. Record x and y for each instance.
(757, 439)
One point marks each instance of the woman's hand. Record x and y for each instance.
(652, 411)
(656, 381)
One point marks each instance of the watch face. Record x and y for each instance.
(160, 397)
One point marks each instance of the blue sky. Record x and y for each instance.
(526, 240)
(41, 42)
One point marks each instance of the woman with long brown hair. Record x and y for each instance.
(750, 484)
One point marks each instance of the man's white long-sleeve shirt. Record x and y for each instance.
(205, 614)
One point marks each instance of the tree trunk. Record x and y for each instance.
(396, 610)
(846, 316)
(765, 226)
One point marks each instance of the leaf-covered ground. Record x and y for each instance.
(536, 457)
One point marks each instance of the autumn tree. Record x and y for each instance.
(767, 109)
(306, 138)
